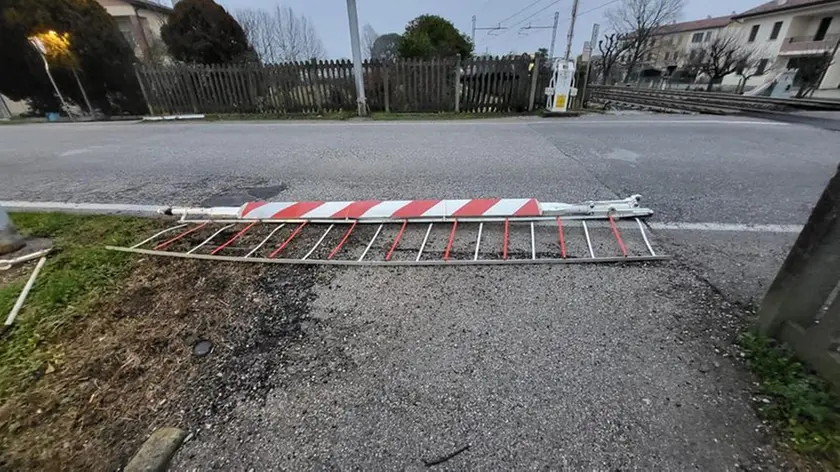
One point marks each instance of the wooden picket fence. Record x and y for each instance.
(477, 85)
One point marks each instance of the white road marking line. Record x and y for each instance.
(771, 228)
(671, 122)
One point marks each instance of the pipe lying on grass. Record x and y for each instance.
(26, 288)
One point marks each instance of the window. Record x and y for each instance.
(666, 55)
(777, 27)
(822, 29)
(124, 25)
(753, 33)
(708, 36)
(650, 56)
(762, 64)
(697, 38)
(652, 42)
(691, 55)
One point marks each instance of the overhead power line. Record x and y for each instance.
(520, 11)
(584, 12)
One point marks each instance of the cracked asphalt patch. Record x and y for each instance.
(587, 367)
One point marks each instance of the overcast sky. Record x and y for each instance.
(391, 16)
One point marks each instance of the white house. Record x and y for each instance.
(790, 33)
(140, 22)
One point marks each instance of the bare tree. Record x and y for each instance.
(637, 21)
(722, 55)
(259, 29)
(280, 35)
(369, 36)
(611, 47)
(750, 67)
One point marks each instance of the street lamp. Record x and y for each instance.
(58, 45)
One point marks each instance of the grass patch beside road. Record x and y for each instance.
(802, 406)
(74, 279)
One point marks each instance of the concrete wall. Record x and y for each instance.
(15, 108)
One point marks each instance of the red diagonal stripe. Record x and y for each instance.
(297, 210)
(251, 206)
(414, 209)
(532, 208)
(476, 207)
(356, 209)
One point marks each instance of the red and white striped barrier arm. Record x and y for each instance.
(392, 209)
(377, 210)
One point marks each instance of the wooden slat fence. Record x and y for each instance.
(487, 85)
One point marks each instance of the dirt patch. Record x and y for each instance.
(128, 368)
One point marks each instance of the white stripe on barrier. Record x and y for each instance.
(269, 209)
(506, 207)
(385, 209)
(445, 208)
(327, 210)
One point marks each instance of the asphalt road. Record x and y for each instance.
(593, 367)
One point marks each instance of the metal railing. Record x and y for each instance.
(706, 102)
(809, 43)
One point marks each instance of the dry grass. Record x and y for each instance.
(121, 372)
(102, 353)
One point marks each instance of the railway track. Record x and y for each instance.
(704, 102)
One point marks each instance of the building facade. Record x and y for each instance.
(140, 22)
(794, 34)
(675, 45)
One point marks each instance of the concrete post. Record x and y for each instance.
(810, 271)
(535, 72)
(10, 240)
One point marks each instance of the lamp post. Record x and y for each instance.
(42, 51)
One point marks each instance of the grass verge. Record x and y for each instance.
(77, 275)
(803, 407)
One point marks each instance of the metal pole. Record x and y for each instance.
(571, 34)
(84, 94)
(356, 46)
(472, 36)
(554, 34)
(58, 92)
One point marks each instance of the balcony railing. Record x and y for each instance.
(807, 44)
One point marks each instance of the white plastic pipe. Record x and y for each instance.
(26, 288)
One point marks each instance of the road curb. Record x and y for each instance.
(154, 455)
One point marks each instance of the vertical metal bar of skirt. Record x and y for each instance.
(318, 243)
(644, 236)
(262, 243)
(378, 230)
(423, 245)
(588, 241)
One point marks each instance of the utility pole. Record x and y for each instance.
(553, 32)
(356, 46)
(485, 28)
(571, 35)
(585, 86)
